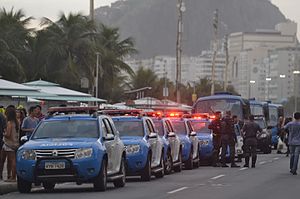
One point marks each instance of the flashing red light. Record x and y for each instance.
(212, 117)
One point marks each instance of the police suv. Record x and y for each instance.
(72, 148)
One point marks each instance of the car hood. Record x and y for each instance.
(59, 143)
(131, 139)
(202, 135)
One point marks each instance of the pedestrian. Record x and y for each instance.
(215, 126)
(11, 143)
(39, 113)
(2, 128)
(294, 142)
(228, 139)
(30, 122)
(250, 131)
(20, 117)
(286, 134)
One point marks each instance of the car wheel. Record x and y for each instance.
(100, 182)
(179, 167)
(121, 181)
(189, 163)
(146, 173)
(168, 164)
(24, 186)
(48, 186)
(162, 166)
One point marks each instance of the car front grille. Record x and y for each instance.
(49, 153)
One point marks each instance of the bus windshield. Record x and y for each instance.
(256, 109)
(273, 116)
(233, 105)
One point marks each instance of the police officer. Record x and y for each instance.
(228, 138)
(215, 126)
(250, 131)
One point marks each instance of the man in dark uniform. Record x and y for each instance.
(228, 138)
(250, 131)
(215, 126)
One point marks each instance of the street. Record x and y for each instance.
(270, 179)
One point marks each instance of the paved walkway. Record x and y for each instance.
(6, 187)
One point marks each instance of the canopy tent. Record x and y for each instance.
(60, 93)
(12, 89)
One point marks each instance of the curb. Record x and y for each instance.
(8, 188)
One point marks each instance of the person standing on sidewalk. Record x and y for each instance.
(250, 131)
(30, 122)
(294, 142)
(11, 142)
(2, 128)
(215, 126)
(228, 139)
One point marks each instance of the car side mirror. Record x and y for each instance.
(152, 135)
(24, 139)
(171, 134)
(193, 133)
(109, 137)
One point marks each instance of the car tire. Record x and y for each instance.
(23, 185)
(100, 183)
(121, 181)
(168, 163)
(48, 186)
(189, 163)
(179, 167)
(162, 166)
(146, 173)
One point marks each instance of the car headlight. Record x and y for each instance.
(134, 148)
(83, 153)
(28, 155)
(203, 142)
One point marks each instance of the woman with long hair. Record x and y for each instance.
(11, 141)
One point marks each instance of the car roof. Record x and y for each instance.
(70, 117)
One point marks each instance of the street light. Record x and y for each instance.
(268, 79)
(281, 86)
(251, 82)
(295, 72)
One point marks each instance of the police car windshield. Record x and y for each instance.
(179, 127)
(160, 127)
(200, 126)
(130, 128)
(67, 129)
(261, 123)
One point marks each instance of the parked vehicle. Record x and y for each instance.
(72, 148)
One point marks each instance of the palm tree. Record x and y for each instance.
(112, 50)
(14, 38)
(67, 48)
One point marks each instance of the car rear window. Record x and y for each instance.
(159, 127)
(179, 127)
(130, 128)
(67, 129)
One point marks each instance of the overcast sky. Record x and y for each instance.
(51, 8)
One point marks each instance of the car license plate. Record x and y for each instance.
(55, 165)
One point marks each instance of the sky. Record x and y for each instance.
(52, 8)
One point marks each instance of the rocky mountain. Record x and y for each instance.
(153, 23)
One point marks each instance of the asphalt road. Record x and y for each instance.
(270, 179)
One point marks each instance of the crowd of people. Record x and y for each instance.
(225, 136)
(14, 124)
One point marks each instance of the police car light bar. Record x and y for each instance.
(72, 110)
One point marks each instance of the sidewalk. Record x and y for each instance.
(7, 187)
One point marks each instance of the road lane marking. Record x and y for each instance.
(177, 190)
(263, 162)
(243, 168)
(217, 177)
(276, 158)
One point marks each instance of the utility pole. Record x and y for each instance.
(215, 49)
(97, 74)
(226, 63)
(92, 12)
(181, 9)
